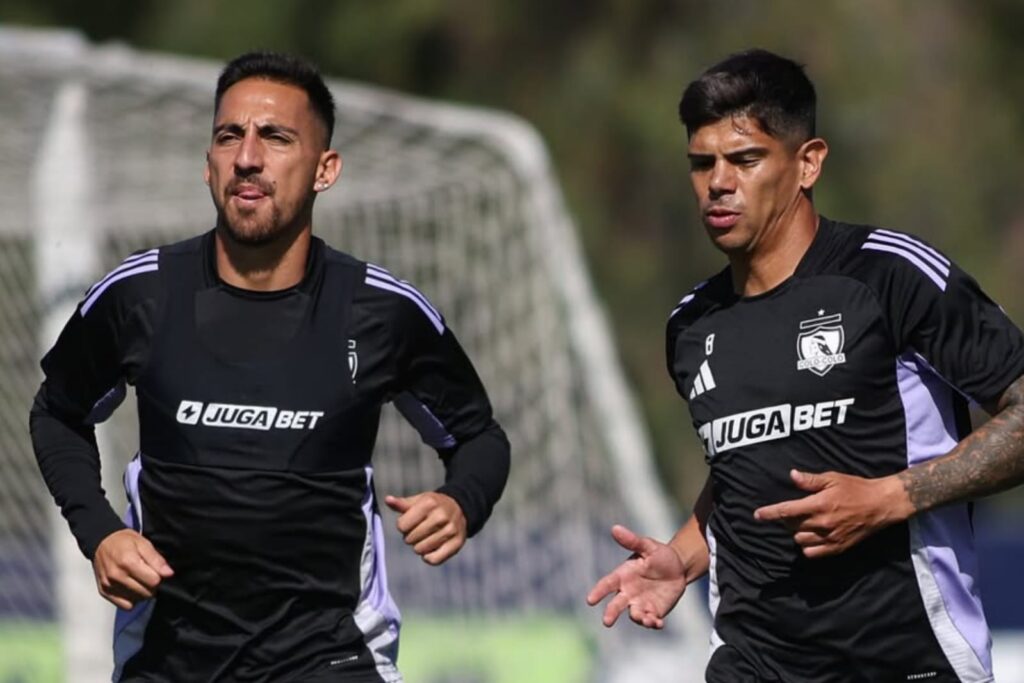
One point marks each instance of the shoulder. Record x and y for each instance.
(386, 293)
(883, 258)
(334, 259)
(705, 297)
(191, 248)
(133, 280)
(141, 276)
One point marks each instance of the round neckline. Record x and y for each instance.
(258, 294)
(768, 292)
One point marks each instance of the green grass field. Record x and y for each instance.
(29, 653)
(539, 649)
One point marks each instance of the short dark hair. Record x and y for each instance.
(771, 89)
(281, 68)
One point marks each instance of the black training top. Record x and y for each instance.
(258, 414)
(862, 362)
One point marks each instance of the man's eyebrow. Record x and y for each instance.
(233, 127)
(271, 128)
(265, 129)
(755, 150)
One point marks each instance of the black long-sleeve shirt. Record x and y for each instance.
(258, 414)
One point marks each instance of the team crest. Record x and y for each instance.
(819, 346)
(353, 359)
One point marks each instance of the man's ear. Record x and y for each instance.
(327, 170)
(811, 156)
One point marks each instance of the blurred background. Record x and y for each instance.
(920, 101)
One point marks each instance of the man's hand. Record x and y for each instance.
(128, 568)
(841, 511)
(432, 523)
(649, 583)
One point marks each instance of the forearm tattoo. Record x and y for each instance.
(989, 460)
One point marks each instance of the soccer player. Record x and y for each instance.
(252, 549)
(827, 371)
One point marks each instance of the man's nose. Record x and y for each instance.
(249, 159)
(722, 180)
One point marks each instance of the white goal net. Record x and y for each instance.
(101, 152)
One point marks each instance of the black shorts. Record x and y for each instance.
(731, 664)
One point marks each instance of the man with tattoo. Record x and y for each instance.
(828, 371)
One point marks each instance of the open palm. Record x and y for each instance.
(649, 583)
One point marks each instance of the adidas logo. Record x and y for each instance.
(705, 381)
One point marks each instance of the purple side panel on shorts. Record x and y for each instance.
(946, 532)
(130, 625)
(377, 592)
(133, 515)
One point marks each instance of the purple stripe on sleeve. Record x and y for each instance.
(928, 255)
(382, 274)
(149, 257)
(431, 429)
(909, 256)
(435, 320)
(107, 404)
(94, 297)
(907, 238)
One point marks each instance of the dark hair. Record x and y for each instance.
(771, 89)
(281, 68)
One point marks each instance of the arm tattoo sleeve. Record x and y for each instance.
(989, 460)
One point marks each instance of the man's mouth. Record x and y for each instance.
(720, 218)
(248, 192)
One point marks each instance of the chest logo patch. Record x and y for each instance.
(770, 424)
(263, 418)
(819, 346)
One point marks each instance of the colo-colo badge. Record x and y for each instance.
(819, 346)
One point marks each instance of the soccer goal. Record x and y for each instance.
(101, 153)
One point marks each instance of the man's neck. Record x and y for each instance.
(777, 254)
(278, 265)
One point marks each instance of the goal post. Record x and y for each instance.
(101, 154)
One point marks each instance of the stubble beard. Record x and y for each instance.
(249, 228)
